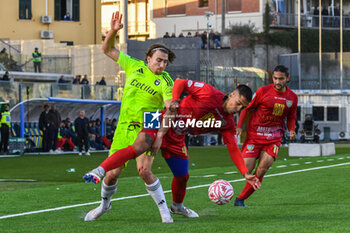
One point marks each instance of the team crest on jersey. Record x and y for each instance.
(289, 103)
(157, 82)
(250, 147)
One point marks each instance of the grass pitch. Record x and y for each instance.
(297, 195)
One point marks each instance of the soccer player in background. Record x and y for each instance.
(269, 108)
(203, 103)
(147, 88)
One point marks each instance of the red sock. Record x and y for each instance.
(248, 190)
(118, 158)
(178, 187)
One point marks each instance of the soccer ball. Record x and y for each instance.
(220, 192)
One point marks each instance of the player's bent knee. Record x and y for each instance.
(112, 176)
(144, 172)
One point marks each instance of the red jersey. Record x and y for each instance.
(203, 103)
(269, 110)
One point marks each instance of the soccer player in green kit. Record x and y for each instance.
(147, 88)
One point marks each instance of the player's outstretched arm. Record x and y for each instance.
(108, 44)
(253, 181)
(168, 116)
(239, 162)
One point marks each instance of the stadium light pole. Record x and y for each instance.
(123, 36)
(320, 41)
(341, 45)
(223, 16)
(208, 14)
(299, 45)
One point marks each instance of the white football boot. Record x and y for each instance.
(187, 212)
(94, 214)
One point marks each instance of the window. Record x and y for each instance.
(173, 7)
(25, 9)
(332, 113)
(203, 3)
(69, 43)
(318, 113)
(234, 5)
(62, 7)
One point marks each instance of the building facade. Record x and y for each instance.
(176, 16)
(74, 22)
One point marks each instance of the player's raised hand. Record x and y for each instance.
(156, 145)
(253, 181)
(116, 21)
(239, 131)
(174, 106)
(292, 135)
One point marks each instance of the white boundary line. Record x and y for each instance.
(167, 191)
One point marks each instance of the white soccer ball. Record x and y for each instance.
(220, 192)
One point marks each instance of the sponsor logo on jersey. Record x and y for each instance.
(144, 87)
(289, 103)
(151, 120)
(157, 82)
(250, 147)
(197, 84)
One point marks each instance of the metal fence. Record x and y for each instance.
(50, 64)
(226, 79)
(308, 21)
(316, 75)
(16, 92)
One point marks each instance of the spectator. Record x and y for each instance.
(54, 120)
(197, 34)
(5, 121)
(324, 14)
(336, 19)
(211, 40)
(204, 40)
(43, 126)
(36, 60)
(189, 35)
(114, 127)
(6, 76)
(81, 128)
(315, 17)
(64, 137)
(173, 35)
(77, 79)
(69, 132)
(181, 35)
(66, 16)
(85, 80)
(3, 51)
(217, 40)
(102, 81)
(109, 134)
(62, 80)
(166, 35)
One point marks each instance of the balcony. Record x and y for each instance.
(282, 20)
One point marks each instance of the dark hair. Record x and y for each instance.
(282, 69)
(245, 91)
(163, 48)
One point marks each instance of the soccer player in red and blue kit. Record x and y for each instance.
(271, 105)
(203, 103)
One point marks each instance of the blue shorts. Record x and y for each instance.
(178, 166)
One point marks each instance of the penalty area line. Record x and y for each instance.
(167, 191)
